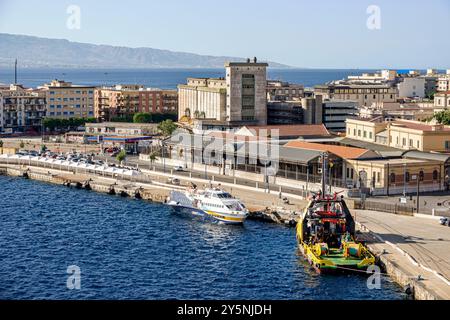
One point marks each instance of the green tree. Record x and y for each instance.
(167, 127)
(142, 117)
(121, 156)
(1, 143)
(443, 117)
(43, 148)
(22, 144)
(153, 157)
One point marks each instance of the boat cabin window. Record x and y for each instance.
(224, 195)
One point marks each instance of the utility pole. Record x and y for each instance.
(404, 180)
(324, 174)
(15, 72)
(418, 193)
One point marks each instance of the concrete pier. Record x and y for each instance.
(413, 250)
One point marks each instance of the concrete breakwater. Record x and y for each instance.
(150, 190)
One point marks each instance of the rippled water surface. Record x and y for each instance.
(130, 249)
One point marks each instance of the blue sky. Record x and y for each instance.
(302, 33)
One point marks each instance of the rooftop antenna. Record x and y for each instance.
(15, 72)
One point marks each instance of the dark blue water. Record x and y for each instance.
(162, 78)
(130, 249)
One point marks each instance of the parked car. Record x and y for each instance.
(178, 168)
(445, 222)
(174, 181)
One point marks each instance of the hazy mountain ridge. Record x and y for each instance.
(35, 52)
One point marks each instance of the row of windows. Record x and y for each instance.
(354, 91)
(359, 132)
(52, 106)
(404, 141)
(407, 177)
(214, 205)
(70, 99)
(72, 92)
(374, 97)
(66, 113)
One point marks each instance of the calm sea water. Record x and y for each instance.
(130, 249)
(162, 78)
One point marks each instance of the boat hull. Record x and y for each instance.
(339, 265)
(209, 215)
(182, 203)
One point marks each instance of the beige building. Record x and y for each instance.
(393, 176)
(21, 109)
(364, 94)
(401, 134)
(65, 100)
(203, 98)
(238, 99)
(444, 82)
(442, 100)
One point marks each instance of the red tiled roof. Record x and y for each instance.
(300, 130)
(340, 151)
(419, 126)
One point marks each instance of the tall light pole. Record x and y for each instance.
(404, 180)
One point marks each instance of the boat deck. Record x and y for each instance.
(337, 257)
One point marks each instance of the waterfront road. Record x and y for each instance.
(134, 162)
(424, 239)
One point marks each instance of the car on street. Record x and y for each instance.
(178, 168)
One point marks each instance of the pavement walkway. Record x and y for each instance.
(419, 246)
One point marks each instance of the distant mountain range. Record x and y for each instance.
(35, 52)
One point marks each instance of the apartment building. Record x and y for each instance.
(363, 94)
(443, 82)
(21, 109)
(66, 100)
(125, 100)
(284, 91)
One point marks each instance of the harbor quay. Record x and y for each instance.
(411, 250)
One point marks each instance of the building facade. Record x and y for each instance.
(442, 100)
(288, 112)
(238, 99)
(123, 101)
(336, 113)
(363, 94)
(202, 98)
(401, 134)
(411, 87)
(21, 109)
(65, 100)
(284, 91)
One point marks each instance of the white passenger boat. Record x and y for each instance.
(211, 203)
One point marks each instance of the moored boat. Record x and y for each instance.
(327, 238)
(214, 204)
